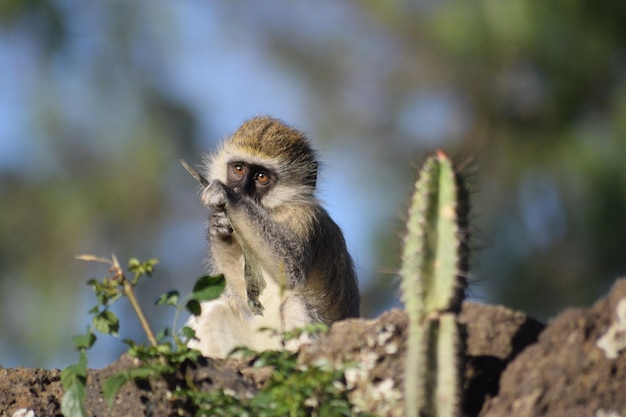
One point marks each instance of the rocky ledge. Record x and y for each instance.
(515, 366)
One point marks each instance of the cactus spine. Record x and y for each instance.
(432, 285)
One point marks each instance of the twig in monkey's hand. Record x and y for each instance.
(194, 173)
(252, 272)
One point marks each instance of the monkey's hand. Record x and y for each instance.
(215, 196)
(219, 224)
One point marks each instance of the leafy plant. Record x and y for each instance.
(74, 378)
(165, 352)
(434, 264)
(291, 390)
(170, 351)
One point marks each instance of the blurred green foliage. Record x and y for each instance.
(533, 94)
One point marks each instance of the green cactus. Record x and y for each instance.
(433, 270)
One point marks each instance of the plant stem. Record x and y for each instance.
(128, 290)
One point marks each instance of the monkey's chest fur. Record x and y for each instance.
(228, 322)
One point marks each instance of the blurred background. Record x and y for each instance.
(99, 100)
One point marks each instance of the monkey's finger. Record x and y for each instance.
(194, 173)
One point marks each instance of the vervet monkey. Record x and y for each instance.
(284, 259)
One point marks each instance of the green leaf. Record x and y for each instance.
(84, 341)
(193, 306)
(169, 298)
(133, 349)
(191, 354)
(71, 374)
(163, 334)
(129, 342)
(149, 265)
(208, 288)
(140, 268)
(141, 372)
(82, 361)
(112, 385)
(107, 323)
(188, 332)
(72, 401)
(164, 348)
(309, 329)
(133, 264)
(76, 372)
(74, 379)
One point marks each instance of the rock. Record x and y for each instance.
(565, 373)
(575, 367)
(377, 348)
(37, 390)
(495, 335)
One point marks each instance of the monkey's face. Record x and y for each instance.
(252, 180)
(268, 182)
(268, 161)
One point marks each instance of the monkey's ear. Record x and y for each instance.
(312, 177)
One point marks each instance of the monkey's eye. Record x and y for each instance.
(262, 178)
(238, 170)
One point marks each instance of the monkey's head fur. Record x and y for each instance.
(273, 162)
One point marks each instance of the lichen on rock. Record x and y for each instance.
(614, 340)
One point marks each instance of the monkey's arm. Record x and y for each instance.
(279, 249)
(227, 250)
